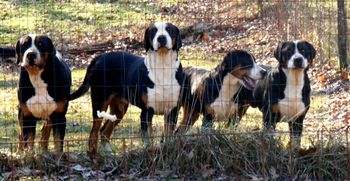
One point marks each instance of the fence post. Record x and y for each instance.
(348, 152)
(68, 159)
(13, 171)
(125, 161)
(291, 156)
(181, 157)
(262, 155)
(319, 175)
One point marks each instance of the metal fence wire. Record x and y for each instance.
(82, 30)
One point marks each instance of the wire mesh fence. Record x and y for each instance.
(81, 30)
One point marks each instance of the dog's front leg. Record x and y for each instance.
(59, 130)
(27, 125)
(45, 134)
(170, 120)
(295, 129)
(270, 118)
(146, 125)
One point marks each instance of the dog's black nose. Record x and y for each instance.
(162, 41)
(31, 57)
(298, 62)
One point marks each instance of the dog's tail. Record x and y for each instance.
(86, 83)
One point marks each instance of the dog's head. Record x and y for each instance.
(242, 65)
(34, 51)
(162, 36)
(295, 54)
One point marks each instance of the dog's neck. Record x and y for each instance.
(162, 65)
(230, 86)
(294, 82)
(38, 83)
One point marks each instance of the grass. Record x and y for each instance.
(68, 19)
(214, 156)
(77, 20)
(79, 113)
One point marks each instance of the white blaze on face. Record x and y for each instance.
(161, 31)
(31, 49)
(256, 72)
(296, 55)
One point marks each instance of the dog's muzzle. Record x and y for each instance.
(31, 58)
(298, 63)
(161, 41)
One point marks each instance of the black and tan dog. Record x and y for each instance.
(214, 93)
(43, 91)
(285, 92)
(152, 83)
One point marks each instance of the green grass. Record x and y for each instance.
(69, 19)
(79, 115)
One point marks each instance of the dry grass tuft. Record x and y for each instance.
(210, 156)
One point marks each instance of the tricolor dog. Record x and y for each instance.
(152, 83)
(43, 91)
(285, 93)
(214, 93)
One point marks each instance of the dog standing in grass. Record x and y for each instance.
(43, 91)
(285, 92)
(152, 83)
(214, 93)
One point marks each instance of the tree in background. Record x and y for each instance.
(342, 37)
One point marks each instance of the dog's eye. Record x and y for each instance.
(168, 29)
(26, 43)
(302, 50)
(289, 49)
(40, 44)
(153, 31)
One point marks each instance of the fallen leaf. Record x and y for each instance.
(205, 37)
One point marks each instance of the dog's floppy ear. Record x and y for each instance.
(231, 60)
(178, 44)
(146, 43)
(51, 48)
(278, 52)
(311, 54)
(18, 52)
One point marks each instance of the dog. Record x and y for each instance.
(43, 91)
(214, 93)
(152, 83)
(7, 54)
(284, 94)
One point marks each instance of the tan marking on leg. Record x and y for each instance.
(61, 106)
(144, 99)
(210, 110)
(31, 137)
(45, 134)
(190, 116)
(118, 107)
(275, 108)
(57, 143)
(20, 136)
(24, 109)
(93, 139)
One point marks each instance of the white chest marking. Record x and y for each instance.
(163, 97)
(197, 80)
(292, 105)
(223, 105)
(41, 105)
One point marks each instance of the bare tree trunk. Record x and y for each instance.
(342, 39)
(261, 8)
